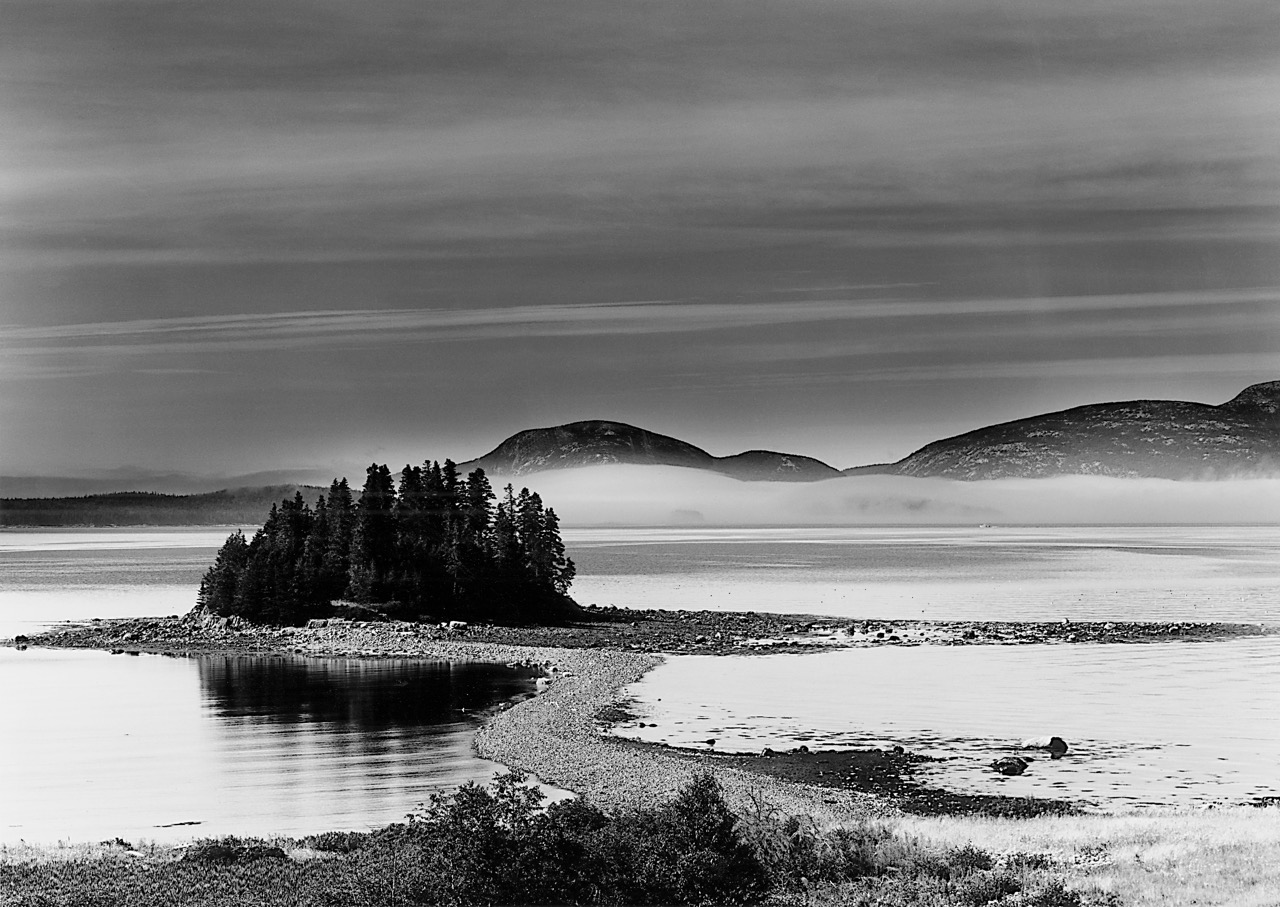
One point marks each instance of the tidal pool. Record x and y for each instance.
(1171, 724)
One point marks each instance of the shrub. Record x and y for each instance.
(231, 849)
(337, 841)
(969, 858)
(1052, 893)
(479, 846)
(986, 887)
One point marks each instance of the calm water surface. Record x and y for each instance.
(96, 745)
(55, 575)
(1024, 573)
(1175, 724)
(159, 748)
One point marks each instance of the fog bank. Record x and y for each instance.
(667, 496)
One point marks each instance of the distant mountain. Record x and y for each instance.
(229, 507)
(593, 443)
(1168, 439)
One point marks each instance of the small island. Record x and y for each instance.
(436, 548)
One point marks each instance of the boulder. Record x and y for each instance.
(1010, 765)
(317, 623)
(1056, 746)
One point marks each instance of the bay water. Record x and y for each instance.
(97, 746)
(148, 731)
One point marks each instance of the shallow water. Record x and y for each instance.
(1176, 723)
(158, 748)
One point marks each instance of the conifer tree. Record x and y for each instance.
(335, 565)
(374, 536)
(559, 566)
(218, 589)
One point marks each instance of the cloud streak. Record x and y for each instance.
(265, 331)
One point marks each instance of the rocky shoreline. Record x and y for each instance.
(652, 631)
(558, 734)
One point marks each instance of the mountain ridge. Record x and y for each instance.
(1169, 439)
(595, 442)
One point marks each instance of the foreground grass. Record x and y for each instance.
(1203, 857)
(478, 846)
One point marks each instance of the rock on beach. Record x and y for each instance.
(1055, 746)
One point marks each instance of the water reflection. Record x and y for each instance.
(163, 748)
(368, 694)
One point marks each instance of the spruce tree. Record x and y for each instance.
(335, 565)
(374, 537)
(218, 588)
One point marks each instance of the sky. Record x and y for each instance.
(268, 234)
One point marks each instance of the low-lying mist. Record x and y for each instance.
(673, 496)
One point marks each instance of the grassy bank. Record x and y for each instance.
(477, 850)
(496, 846)
(1159, 857)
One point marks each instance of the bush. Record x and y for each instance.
(479, 846)
(969, 858)
(232, 850)
(1052, 893)
(337, 841)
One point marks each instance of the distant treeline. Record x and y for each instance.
(439, 547)
(143, 508)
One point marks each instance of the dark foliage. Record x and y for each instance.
(231, 850)
(436, 548)
(496, 847)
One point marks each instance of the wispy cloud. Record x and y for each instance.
(221, 333)
(1249, 366)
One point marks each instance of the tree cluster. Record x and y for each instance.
(439, 547)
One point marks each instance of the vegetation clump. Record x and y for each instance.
(438, 547)
(232, 850)
(500, 846)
